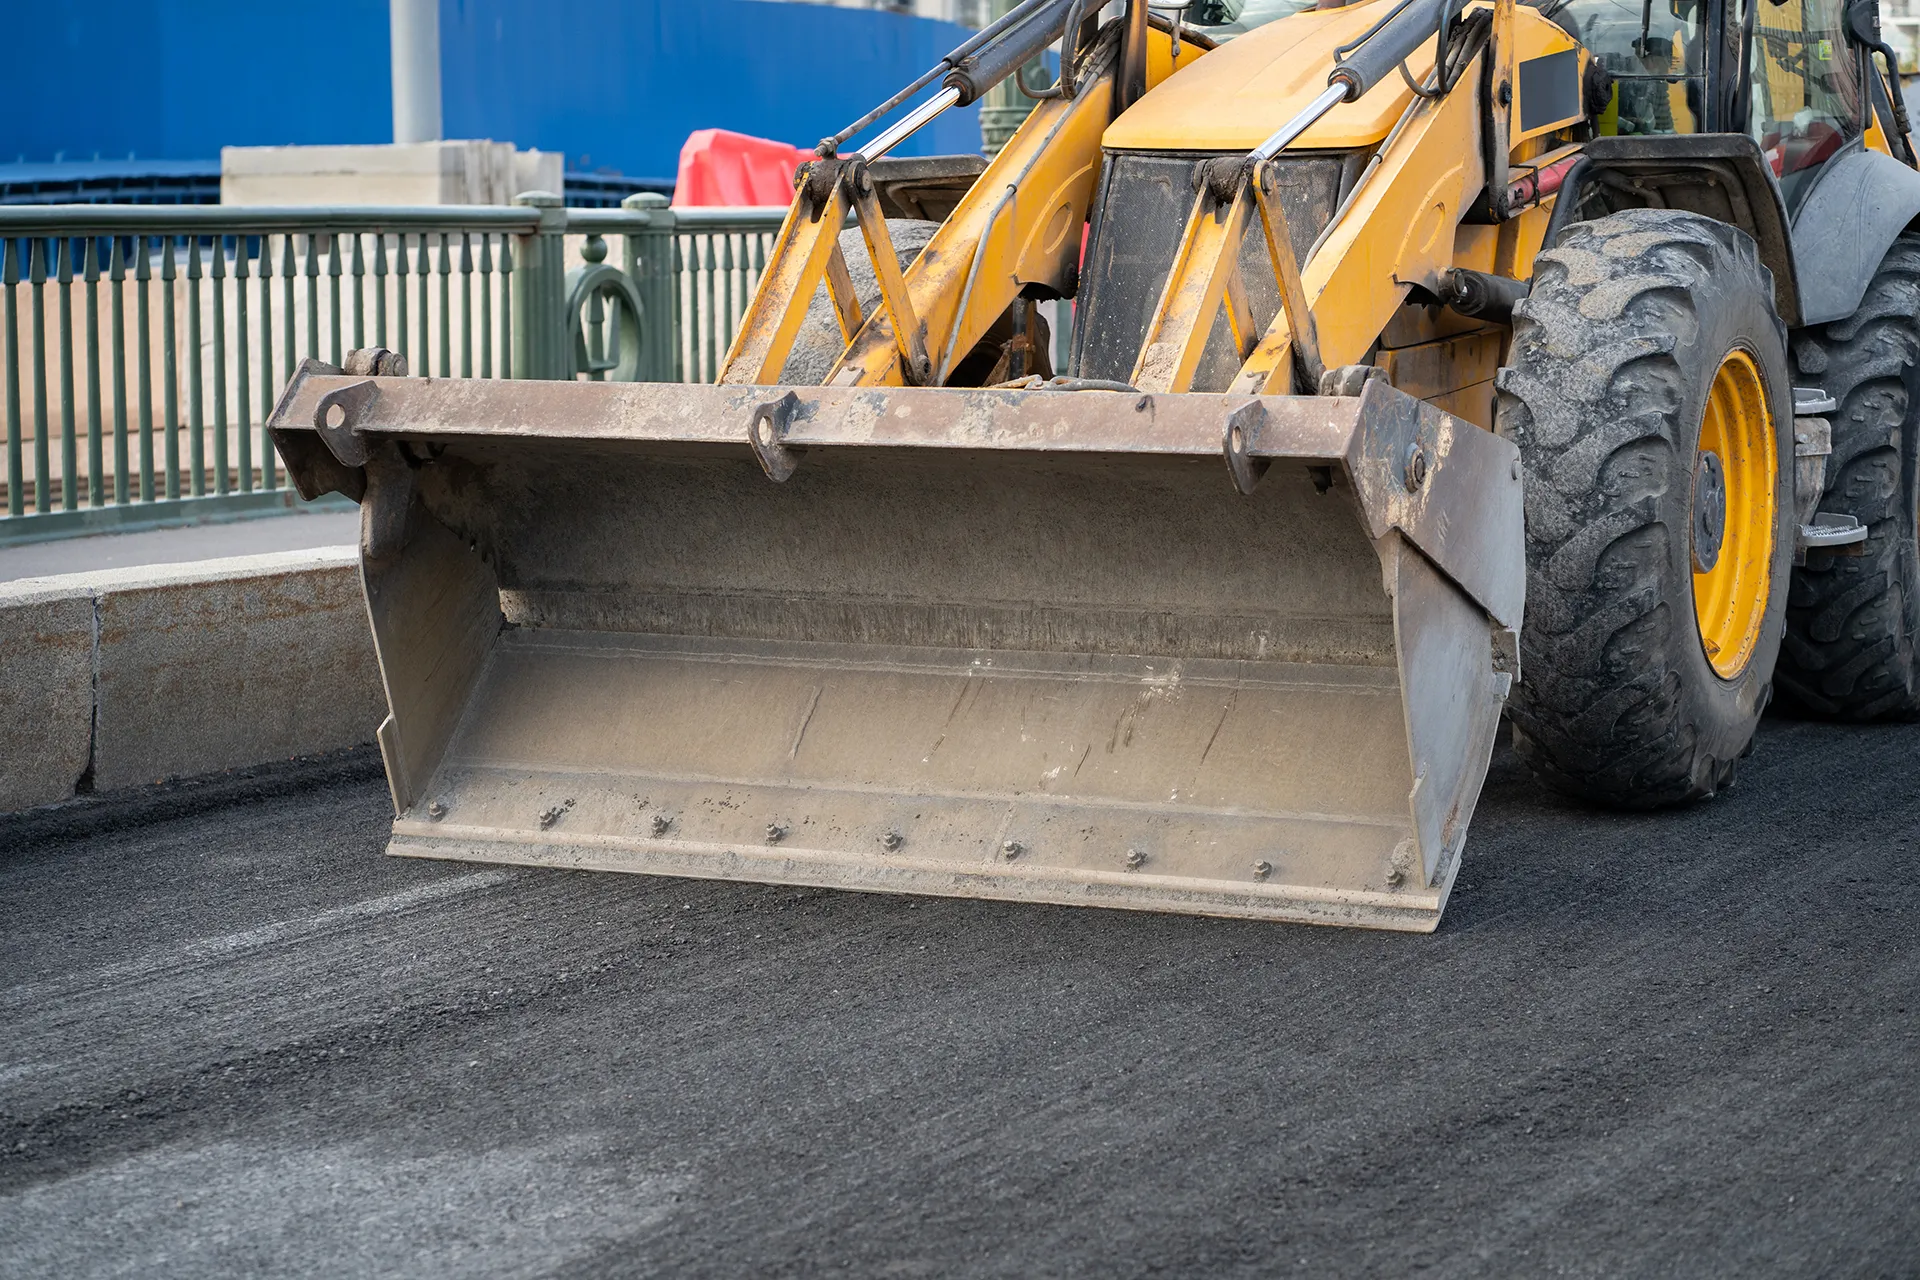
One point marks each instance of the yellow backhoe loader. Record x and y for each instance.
(1395, 325)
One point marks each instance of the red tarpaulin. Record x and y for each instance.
(722, 168)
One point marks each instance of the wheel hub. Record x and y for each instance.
(1709, 511)
(1735, 477)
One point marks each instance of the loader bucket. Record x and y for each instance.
(1036, 646)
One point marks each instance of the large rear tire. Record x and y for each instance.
(1852, 620)
(1648, 375)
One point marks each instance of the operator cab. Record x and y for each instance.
(1802, 99)
(1786, 73)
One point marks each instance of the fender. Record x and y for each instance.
(1721, 176)
(1859, 206)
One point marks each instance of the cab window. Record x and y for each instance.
(1806, 92)
(1656, 54)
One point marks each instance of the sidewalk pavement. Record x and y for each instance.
(303, 532)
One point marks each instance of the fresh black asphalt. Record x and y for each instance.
(236, 1040)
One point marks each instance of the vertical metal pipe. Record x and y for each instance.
(506, 306)
(42, 466)
(96, 454)
(16, 468)
(380, 290)
(466, 305)
(333, 299)
(69, 452)
(727, 292)
(169, 369)
(486, 304)
(710, 362)
(243, 344)
(117, 279)
(143, 316)
(196, 418)
(358, 269)
(743, 286)
(421, 266)
(415, 32)
(679, 314)
(266, 359)
(289, 343)
(313, 299)
(446, 310)
(400, 294)
(289, 317)
(218, 366)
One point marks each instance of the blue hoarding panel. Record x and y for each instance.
(614, 84)
(179, 79)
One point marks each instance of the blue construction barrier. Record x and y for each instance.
(615, 85)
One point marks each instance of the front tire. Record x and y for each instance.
(1648, 392)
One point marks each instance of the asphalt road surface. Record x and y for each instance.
(235, 1040)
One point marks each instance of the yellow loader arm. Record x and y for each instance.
(1019, 226)
(1399, 228)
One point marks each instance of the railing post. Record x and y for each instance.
(539, 292)
(649, 265)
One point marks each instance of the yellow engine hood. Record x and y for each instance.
(1235, 96)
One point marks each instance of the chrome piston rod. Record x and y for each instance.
(911, 123)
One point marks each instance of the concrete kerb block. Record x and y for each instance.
(188, 669)
(46, 690)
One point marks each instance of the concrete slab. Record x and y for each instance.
(46, 692)
(217, 664)
(163, 671)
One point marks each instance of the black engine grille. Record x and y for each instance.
(1142, 210)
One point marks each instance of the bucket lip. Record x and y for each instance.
(1047, 421)
(1415, 910)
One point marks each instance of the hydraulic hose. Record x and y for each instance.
(1020, 43)
(1391, 43)
(1383, 47)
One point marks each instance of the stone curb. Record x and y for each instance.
(120, 677)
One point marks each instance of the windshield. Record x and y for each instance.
(1224, 19)
(1654, 53)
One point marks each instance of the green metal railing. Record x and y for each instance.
(143, 346)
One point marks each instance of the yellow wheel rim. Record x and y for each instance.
(1733, 515)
